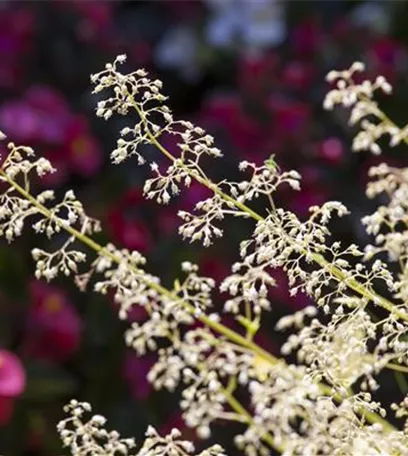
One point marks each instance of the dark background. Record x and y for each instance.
(250, 72)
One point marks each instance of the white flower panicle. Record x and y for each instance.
(359, 98)
(87, 436)
(340, 344)
(49, 217)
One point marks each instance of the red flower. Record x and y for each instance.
(387, 57)
(307, 37)
(216, 268)
(192, 195)
(125, 225)
(12, 383)
(53, 323)
(257, 72)
(225, 113)
(176, 421)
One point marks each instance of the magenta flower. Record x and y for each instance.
(135, 370)
(387, 57)
(49, 100)
(214, 267)
(20, 121)
(53, 324)
(331, 150)
(42, 115)
(84, 153)
(12, 383)
(17, 26)
(125, 225)
(289, 117)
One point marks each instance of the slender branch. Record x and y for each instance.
(318, 258)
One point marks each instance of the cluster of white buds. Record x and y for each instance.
(389, 222)
(87, 436)
(364, 110)
(247, 284)
(19, 162)
(203, 227)
(50, 217)
(338, 351)
(264, 180)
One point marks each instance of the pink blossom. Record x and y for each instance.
(42, 115)
(12, 384)
(12, 375)
(331, 150)
(20, 121)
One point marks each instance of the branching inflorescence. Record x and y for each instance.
(323, 405)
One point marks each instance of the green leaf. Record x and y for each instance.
(271, 163)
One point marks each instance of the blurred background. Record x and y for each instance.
(249, 71)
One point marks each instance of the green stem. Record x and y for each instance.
(318, 258)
